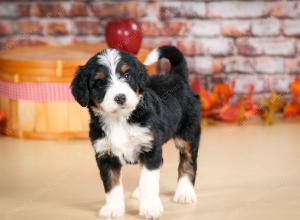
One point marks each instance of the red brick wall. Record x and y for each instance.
(246, 41)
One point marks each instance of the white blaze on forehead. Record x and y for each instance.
(110, 58)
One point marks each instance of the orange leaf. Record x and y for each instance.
(223, 91)
(295, 86)
(291, 109)
(230, 113)
(205, 99)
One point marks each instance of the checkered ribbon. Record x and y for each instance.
(40, 92)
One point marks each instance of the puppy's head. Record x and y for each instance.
(110, 83)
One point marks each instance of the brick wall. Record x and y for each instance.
(246, 41)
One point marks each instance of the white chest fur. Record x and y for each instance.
(123, 139)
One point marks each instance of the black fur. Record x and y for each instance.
(79, 86)
(108, 165)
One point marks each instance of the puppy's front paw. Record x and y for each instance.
(151, 207)
(112, 210)
(185, 192)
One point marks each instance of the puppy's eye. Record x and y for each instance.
(126, 76)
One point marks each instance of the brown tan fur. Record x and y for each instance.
(100, 75)
(123, 69)
(185, 167)
(114, 176)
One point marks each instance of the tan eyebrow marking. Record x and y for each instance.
(124, 68)
(99, 75)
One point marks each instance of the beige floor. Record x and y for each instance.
(249, 172)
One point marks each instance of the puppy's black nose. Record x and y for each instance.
(120, 99)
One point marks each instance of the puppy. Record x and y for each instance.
(132, 116)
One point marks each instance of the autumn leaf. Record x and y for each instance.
(291, 110)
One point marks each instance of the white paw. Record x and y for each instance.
(185, 192)
(151, 207)
(136, 193)
(112, 210)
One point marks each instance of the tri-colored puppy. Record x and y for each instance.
(132, 116)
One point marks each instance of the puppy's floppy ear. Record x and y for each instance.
(79, 86)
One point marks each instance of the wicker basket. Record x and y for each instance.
(35, 93)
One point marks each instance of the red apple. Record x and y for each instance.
(124, 34)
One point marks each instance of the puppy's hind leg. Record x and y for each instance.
(188, 150)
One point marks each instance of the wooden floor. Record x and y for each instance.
(249, 172)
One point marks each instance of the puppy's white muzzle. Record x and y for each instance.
(120, 98)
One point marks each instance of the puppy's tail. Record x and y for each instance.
(176, 58)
